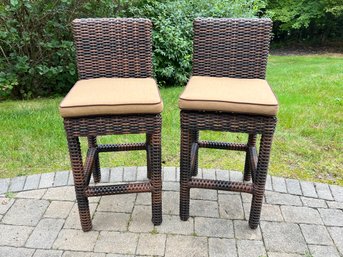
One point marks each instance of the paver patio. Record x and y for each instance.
(40, 219)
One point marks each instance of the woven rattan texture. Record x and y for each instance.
(236, 48)
(227, 48)
(113, 48)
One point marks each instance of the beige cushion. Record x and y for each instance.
(252, 96)
(104, 96)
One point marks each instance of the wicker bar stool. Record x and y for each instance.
(116, 94)
(227, 92)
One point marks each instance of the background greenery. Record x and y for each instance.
(307, 144)
(37, 56)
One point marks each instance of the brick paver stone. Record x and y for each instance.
(279, 184)
(153, 245)
(15, 252)
(48, 253)
(75, 240)
(142, 173)
(283, 199)
(17, 184)
(308, 189)
(316, 234)
(209, 173)
(312, 202)
(321, 251)
(117, 203)
(4, 184)
(46, 180)
(337, 236)
(332, 217)
(171, 186)
(248, 248)
(243, 231)
(269, 185)
(337, 192)
(14, 235)
(236, 176)
(26, 212)
(60, 193)
(211, 227)
(283, 237)
(173, 224)
(202, 208)
(204, 194)
(114, 242)
(219, 247)
(71, 179)
(45, 233)
(170, 202)
(230, 206)
(335, 205)
(58, 209)
(297, 214)
(186, 246)
(323, 191)
(169, 174)
(61, 178)
(143, 199)
(141, 219)
(223, 175)
(293, 186)
(116, 174)
(111, 221)
(130, 174)
(32, 194)
(105, 175)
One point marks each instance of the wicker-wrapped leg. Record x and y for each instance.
(79, 181)
(148, 155)
(261, 175)
(247, 167)
(195, 139)
(185, 164)
(156, 180)
(96, 166)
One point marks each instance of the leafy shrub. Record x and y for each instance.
(37, 55)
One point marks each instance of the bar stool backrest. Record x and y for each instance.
(236, 48)
(113, 47)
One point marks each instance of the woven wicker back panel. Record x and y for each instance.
(236, 48)
(113, 47)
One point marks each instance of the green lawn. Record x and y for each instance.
(307, 145)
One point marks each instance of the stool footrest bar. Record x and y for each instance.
(118, 189)
(221, 185)
(121, 147)
(223, 145)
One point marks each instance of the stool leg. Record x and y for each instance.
(148, 155)
(247, 168)
(195, 139)
(185, 164)
(79, 181)
(260, 180)
(155, 176)
(96, 166)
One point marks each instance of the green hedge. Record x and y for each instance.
(37, 55)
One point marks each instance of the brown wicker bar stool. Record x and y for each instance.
(227, 92)
(116, 94)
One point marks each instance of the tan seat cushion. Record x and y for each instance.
(105, 96)
(252, 96)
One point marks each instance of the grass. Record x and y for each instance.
(307, 144)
